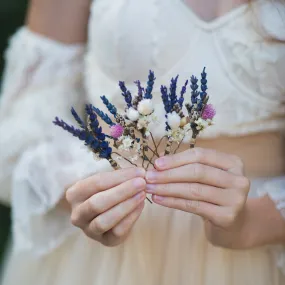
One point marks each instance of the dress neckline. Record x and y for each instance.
(218, 21)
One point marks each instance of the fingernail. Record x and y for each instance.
(151, 176)
(161, 162)
(150, 188)
(140, 172)
(158, 198)
(139, 183)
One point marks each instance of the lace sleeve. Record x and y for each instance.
(39, 180)
(42, 79)
(38, 160)
(275, 189)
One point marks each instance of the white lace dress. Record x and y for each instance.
(44, 79)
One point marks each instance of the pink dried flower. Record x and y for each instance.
(116, 131)
(209, 112)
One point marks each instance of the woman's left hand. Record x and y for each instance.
(207, 183)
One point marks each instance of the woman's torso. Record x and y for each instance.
(127, 38)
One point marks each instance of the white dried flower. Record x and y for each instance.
(132, 114)
(173, 120)
(127, 142)
(176, 135)
(201, 124)
(143, 122)
(145, 107)
(187, 127)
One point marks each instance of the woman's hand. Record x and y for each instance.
(207, 183)
(106, 205)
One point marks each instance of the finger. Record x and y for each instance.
(112, 217)
(220, 216)
(191, 173)
(193, 191)
(209, 157)
(103, 201)
(85, 188)
(128, 222)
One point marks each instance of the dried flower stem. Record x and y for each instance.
(193, 139)
(179, 145)
(113, 163)
(168, 147)
(159, 143)
(153, 140)
(124, 158)
(154, 152)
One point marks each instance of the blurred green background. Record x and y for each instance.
(12, 14)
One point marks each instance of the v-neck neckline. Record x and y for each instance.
(218, 21)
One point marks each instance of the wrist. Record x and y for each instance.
(262, 224)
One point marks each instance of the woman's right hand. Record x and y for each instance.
(107, 205)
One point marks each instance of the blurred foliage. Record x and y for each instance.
(12, 15)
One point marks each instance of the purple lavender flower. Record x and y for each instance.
(103, 116)
(165, 99)
(204, 86)
(166, 103)
(112, 109)
(173, 95)
(80, 134)
(94, 123)
(140, 89)
(77, 118)
(194, 86)
(183, 91)
(126, 93)
(150, 83)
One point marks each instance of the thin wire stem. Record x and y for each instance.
(159, 143)
(154, 152)
(153, 142)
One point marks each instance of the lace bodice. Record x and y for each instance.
(245, 71)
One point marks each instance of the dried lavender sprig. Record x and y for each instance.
(194, 86)
(183, 91)
(139, 97)
(126, 93)
(172, 91)
(112, 109)
(204, 86)
(80, 134)
(150, 83)
(103, 116)
(93, 123)
(77, 118)
(166, 103)
(140, 89)
(165, 99)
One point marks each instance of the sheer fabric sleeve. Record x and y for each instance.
(43, 79)
(275, 189)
